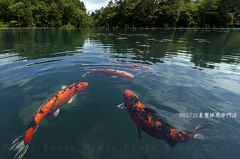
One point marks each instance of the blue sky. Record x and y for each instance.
(91, 5)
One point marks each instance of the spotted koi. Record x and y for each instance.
(133, 65)
(53, 104)
(147, 120)
(110, 72)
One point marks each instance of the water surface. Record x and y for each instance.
(194, 72)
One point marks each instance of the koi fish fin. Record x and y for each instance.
(138, 133)
(205, 125)
(17, 141)
(121, 106)
(154, 113)
(114, 76)
(87, 72)
(19, 146)
(198, 136)
(36, 129)
(56, 112)
(171, 142)
(149, 110)
(64, 87)
(72, 99)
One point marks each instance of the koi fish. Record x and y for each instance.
(133, 65)
(53, 104)
(147, 120)
(110, 72)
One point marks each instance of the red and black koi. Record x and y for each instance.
(133, 65)
(53, 104)
(110, 72)
(147, 120)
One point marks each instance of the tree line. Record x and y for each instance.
(157, 13)
(43, 12)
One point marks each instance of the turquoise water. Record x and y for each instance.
(195, 73)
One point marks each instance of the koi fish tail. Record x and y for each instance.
(205, 125)
(87, 72)
(19, 146)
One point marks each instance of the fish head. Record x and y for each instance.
(127, 94)
(148, 68)
(145, 67)
(80, 86)
(130, 98)
(127, 75)
(130, 76)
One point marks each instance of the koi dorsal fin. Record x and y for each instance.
(154, 113)
(149, 110)
(36, 129)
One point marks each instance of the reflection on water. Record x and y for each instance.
(193, 72)
(201, 49)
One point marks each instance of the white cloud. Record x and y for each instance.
(91, 5)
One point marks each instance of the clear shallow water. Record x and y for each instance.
(194, 72)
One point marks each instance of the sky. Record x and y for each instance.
(91, 5)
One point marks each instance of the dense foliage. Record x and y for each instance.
(158, 13)
(44, 12)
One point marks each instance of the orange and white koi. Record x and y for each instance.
(110, 72)
(147, 120)
(53, 104)
(133, 65)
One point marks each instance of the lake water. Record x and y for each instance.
(195, 78)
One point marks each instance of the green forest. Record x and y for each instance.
(44, 12)
(151, 13)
